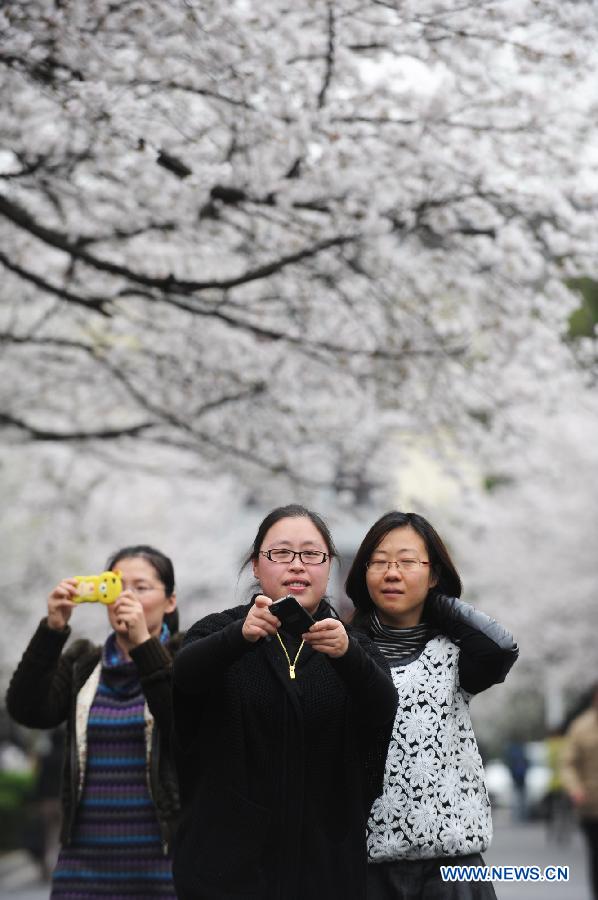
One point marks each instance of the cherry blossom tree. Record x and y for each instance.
(524, 547)
(250, 233)
(256, 247)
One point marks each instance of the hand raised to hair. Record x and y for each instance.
(259, 622)
(329, 637)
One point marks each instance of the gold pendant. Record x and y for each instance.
(291, 671)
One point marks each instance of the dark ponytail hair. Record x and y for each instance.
(163, 568)
(441, 565)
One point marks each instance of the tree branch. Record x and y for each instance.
(308, 347)
(169, 284)
(44, 70)
(43, 434)
(329, 57)
(95, 304)
(445, 123)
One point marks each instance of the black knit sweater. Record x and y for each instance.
(277, 776)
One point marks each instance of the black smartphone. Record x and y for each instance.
(293, 617)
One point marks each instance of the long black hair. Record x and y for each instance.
(441, 565)
(163, 568)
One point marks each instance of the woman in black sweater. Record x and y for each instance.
(280, 740)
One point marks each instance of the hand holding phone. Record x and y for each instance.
(328, 636)
(258, 622)
(293, 617)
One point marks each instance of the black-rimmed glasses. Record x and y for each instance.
(307, 557)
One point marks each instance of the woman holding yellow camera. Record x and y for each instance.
(119, 790)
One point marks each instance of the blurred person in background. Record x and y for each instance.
(46, 799)
(518, 764)
(434, 809)
(119, 791)
(580, 777)
(280, 738)
(558, 812)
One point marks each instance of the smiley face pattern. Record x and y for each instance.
(435, 801)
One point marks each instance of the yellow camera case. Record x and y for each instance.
(104, 588)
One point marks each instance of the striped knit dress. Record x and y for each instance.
(116, 849)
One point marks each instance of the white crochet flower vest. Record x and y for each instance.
(435, 801)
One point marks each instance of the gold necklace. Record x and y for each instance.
(294, 663)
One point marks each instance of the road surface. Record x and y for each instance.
(513, 845)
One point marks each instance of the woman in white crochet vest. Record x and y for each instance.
(434, 810)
